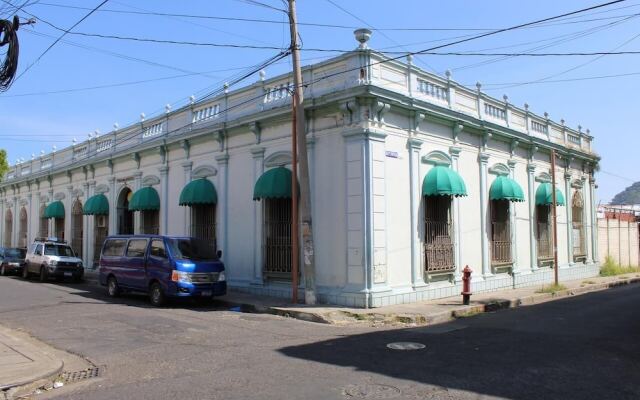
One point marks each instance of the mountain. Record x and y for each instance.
(630, 195)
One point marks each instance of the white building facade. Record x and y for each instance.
(412, 177)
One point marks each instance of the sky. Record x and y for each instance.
(87, 83)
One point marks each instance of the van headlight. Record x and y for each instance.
(53, 263)
(221, 277)
(180, 276)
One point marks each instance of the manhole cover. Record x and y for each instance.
(405, 346)
(372, 391)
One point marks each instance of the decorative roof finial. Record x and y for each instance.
(362, 36)
(167, 108)
(142, 117)
(262, 74)
(192, 99)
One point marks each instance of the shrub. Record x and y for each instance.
(612, 268)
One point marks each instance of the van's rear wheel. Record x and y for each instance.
(156, 295)
(112, 287)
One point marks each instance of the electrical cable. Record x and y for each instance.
(60, 38)
(9, 65)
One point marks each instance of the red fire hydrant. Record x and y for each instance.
(466, 285)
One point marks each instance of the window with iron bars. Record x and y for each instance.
(500, 233)
(579, 237)
(203, 223)
(150, 221)
(276, 238)
(438, 235)
(76, 228)
(544, 236)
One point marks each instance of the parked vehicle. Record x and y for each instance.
(162, 266)
(52, 258)
(12, 260)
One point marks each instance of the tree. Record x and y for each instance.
(4, 165)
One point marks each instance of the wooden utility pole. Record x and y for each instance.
(554, 213)
(303, 166)
(295, 253)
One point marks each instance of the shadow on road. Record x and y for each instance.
(579, 348)
(98, 293)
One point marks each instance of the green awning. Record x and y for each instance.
(96, 205)
(198, 191)
(145, 199)
(544, 195)
(275, 183)
(443, 181)
(505, 188)
(54, 210)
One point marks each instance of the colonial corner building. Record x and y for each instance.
(413, 177)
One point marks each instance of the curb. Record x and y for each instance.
(11, 389)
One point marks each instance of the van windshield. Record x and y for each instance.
(192, 249)
(58, 250)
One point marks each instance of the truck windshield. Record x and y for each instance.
(16, 253)
(58, 250)
(192, 249)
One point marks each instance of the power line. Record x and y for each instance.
(585, 78)
(60, 38)
(312, 24)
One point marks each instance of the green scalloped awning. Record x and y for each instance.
(145, 199)
(273, 184)
(544, 195)
(505, 188)
(96, 205)
(198, 191)
(443, 181)
(54, 210)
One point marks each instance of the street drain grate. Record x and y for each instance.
(406, 346)
(76, 376)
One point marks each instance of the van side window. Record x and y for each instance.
(136, 247)
(157, 249)
(114, 247)
(39, 250)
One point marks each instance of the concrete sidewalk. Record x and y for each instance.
(24, 360)
(426, 312)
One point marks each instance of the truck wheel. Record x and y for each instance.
(112, 287)
(43, 274)
(156, 295)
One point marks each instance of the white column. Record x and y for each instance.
(29, 220)
(258, 169)
(586, 222)
(15, 228)
(36, 217)
(89, 234)
(51, 220)
(483, 158)
(186, 166)
(137, 218)
(457, 234)
(68, 204)
(2, 216)
(417, 274)
(513, 223)
(164, 202)
(568, 209)
(531, 169)
(594, 220)
(221, 207)
(376, 213)
(113, 206)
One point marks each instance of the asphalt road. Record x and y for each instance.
(587, 347)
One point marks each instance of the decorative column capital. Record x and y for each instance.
(222, 159)
(567, 176)
(414, 144)
(164, 170)
(531, 168)
(111, 180)
(258, 152)
(511, 164)
(137, 174)
(454, 151)
(187, 165)
(483, 158)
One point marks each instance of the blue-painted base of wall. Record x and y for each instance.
(352, 298)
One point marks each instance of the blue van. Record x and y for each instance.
(162, 266)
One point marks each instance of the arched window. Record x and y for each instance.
(23, 228)
(201, 197)
(579, 237)
(76, 228)
(544, 232)
(8, 228)
(500, 233)
(438, 234)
